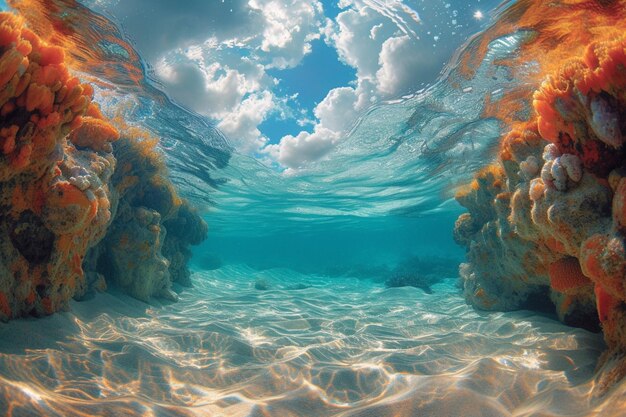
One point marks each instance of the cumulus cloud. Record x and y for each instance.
(388, 63)
(382, 47)
(400, 65)
(335, 114)
(214, 90)
(241, 124)
(297, 151)
(213, 57)
(358, 34)
(338, 106)
(211, 93)
(289, 27)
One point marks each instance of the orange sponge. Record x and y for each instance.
(605, 302)
(566, 275)
(95, 134)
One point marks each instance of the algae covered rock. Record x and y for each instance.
(550, 212)
(134, 255)
(185, 228)
(147, 246)
(65, 185)
(48, 218)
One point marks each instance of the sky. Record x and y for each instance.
(285, 80)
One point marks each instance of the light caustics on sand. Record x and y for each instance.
(343, 347)
(254, 342)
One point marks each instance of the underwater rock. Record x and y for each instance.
(134, 253)
(412, 280)
(61, 184)
(47, 218)
(420, 272)
(550, 213)
(151, 221)
(185, 228)
(262, 284)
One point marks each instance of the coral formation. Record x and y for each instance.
(551, 210)
(63, 188)
(146, 248)
(566, 276)
(54, 198)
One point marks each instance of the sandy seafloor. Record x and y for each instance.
(306, 346)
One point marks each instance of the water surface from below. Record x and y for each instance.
(305, 346)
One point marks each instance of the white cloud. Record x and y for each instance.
(335, 114)
(213, 57)
(297, 151)
(289, 27)
(400, 61)
(352, 37)
(387, 63)
(337, 108)
(214, 91)
(241, 124)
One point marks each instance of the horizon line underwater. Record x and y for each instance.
(313, 208)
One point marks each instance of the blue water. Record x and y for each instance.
(306, 345)
(291, 313)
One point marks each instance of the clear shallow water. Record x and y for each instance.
(402, 158)
(307, 346)
(340, 346)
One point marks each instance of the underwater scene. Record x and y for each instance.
(293, 208)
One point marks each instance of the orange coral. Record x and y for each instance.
(75, 33)
(34, 81)
(605, 303)
(603, 259)
(95, 133)
(51, 222)
(564, 167)
(558, 31)
(566, 275)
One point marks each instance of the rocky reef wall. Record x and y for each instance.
(547, 221)
(81, 205)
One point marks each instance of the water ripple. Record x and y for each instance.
(331, 347)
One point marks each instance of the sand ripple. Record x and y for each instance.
(339, 347)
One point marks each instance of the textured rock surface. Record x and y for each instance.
(53, 196)
(63, 188)
(549, 216)
(146, 248)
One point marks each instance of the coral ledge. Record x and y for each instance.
(81, 206)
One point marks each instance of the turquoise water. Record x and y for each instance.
(307, 345)
(295, 309)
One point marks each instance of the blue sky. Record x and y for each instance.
(284, 80)
(319, 72)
